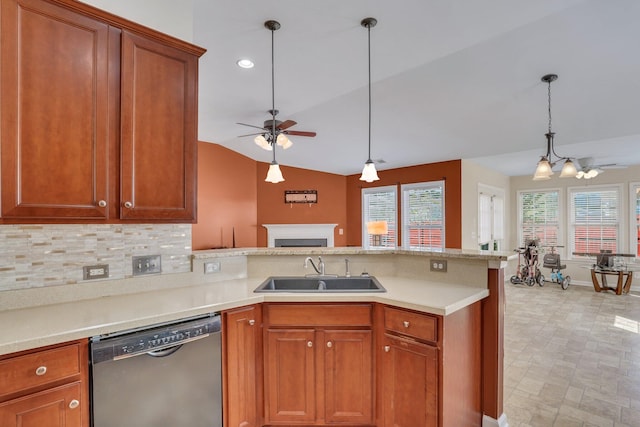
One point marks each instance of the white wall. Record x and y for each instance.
(576, 269)
(474, 175)
(168, 16)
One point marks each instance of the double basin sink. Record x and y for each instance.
(321, 284)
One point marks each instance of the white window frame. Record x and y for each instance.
(561, 210)
(390, 243)
(634, 224)
(491, 216)
(406, 235)
(620, 220)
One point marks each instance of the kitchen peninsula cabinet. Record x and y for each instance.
(242, 334)
(46, 387)
(98, 117)
(318, 364)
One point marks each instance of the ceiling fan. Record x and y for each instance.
(274, 131)
(588, 169)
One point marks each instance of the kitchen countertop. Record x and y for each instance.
(32, 327)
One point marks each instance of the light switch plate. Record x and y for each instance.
(146, 264)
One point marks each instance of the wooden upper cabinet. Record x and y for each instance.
(54, 112)
(159, 130)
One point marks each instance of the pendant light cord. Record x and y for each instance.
(549, 103)
(369, 53)
(273, 98)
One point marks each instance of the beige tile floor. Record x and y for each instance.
(572, 358)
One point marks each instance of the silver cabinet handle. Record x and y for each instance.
(387, 348)
(309, 343)
(41, 370)
(329, 344)
(406, 324)
(74, 404)
(128, 205)
(102, 203)
(252, 322)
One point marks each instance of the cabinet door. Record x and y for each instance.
(243, 338)
(290, 376)
(410, 383)
(348, 376)
(54, 104)
(58, 407)
(158, 131)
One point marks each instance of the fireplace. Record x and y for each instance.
(300, 235)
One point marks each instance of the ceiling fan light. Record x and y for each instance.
(568, 170)
(580, 175)
(543, 170)
(274, 175)
(369, 173)
(592, 173)
(262, 142)
(283, 141)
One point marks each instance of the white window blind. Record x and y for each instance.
(498, 217)
(380, 204)
(484, 218)
(595, 218)
(423, 215)
(539, 217)
(636, 219)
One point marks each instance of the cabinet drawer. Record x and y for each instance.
(419, 326)
(301, 315)
(34, 370)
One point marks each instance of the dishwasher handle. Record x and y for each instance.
(166, 352)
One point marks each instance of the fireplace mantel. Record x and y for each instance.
(299, 231)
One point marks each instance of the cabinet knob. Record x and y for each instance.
(406, 324)
(387, 348)
(309, 343)
(128, 205)
(252, 322)
(41, 370)
(74, 404)
(102, 203)
(329, 344)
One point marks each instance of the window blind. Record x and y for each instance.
(539, 217)
(380, 204)
(595, 217)
(423, 215)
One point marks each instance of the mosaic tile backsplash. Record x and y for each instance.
(48, 255)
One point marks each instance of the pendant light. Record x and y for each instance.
(546, 163)
(369, 173)
(274, 175)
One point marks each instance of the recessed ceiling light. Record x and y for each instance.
(245, 63)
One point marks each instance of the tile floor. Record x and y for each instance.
(572, 358)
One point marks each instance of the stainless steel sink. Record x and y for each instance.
(321, 284)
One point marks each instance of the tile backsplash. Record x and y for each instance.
(48, 255)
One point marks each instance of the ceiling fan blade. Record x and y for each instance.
(300, 133)
(286, 124)
(250, 134)
(611, 166)
(257, 127)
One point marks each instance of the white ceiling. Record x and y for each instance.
(451, 79)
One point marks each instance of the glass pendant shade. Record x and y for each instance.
(568, 170)
(283, 141)
(543, 171)
(262, 142)
(274, 175)
(369, 173)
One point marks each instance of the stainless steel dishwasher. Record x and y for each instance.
(166, 375)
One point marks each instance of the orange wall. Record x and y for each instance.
(450, 172)
(330, 209)
(227, 199)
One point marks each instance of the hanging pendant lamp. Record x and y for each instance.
(369, 173)
(274, 175)
(544, 170)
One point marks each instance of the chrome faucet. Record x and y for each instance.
(319, 269)
(347, 272)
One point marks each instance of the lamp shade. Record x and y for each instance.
(283, 141)
(369, 173)
(377, 227)
(274, 175)
(543, 171)
(568, 170)
(262, 142)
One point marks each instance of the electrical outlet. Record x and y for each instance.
(211, 267)
(91, 272)
(146, 264)
(439, 265)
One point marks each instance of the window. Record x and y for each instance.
(595, 219)
(423, 215)
(490, 217)
(539, 217)
(635, 203)
(379, 204)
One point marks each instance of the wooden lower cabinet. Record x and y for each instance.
(410, 383)
(45, 387)
(243, 361)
